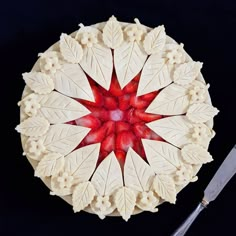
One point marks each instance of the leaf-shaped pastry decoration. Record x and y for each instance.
(155, 40)
(63, 138)
(137, 173)
(125, 200)
(108, 177)
(72, 81)
(50, 164)
(154, 76)
(33, 127)
(57, 108)
(38, 82)
(201, 112)
(112, 33)
(82, 196)
(97, 63)
(172, 100)
(187, 72)
(162, 157)
(195, 154)
(174, 130)
(81, 163)
(129, 59)
(70, 49)
(164, 186)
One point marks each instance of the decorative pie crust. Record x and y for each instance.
(48, 103)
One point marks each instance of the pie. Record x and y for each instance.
(116, 118)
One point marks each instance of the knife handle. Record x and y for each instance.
(188, 222)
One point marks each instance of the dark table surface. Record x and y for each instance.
(207, 28)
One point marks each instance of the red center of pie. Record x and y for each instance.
(118, 119)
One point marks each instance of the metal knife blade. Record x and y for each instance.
(221, 177)
(219, 180)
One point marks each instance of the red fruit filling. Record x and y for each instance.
(117, 119)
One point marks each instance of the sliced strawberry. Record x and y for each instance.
(100, 113)
(82, 144)
(138, 148)
(102, 156)
(71, 122)
(97, 96)
(108, 144)
(141, 151)
(131, 117)
(124, 102)
(165, 116)
(147, 117)
(131, 87)
(95, 136)
(118, 119)
(137, 77)
(89, 121)
(142, 131)
(115, 89)
(156, 137)
(139, 129)
(86, 103)
(110, 103)
(138, 102)
(104, 92)
(149, 96)
(120, 155)
(109, 127)
(122, 126)
(91, 81)
(124, 140)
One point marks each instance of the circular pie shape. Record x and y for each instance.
(116, 118)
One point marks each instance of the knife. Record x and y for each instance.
(218, 182)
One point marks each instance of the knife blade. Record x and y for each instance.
(221, 177)
(225, 172)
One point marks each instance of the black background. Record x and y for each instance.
(207, 28)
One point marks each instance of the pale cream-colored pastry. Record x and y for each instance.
(116, 118)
